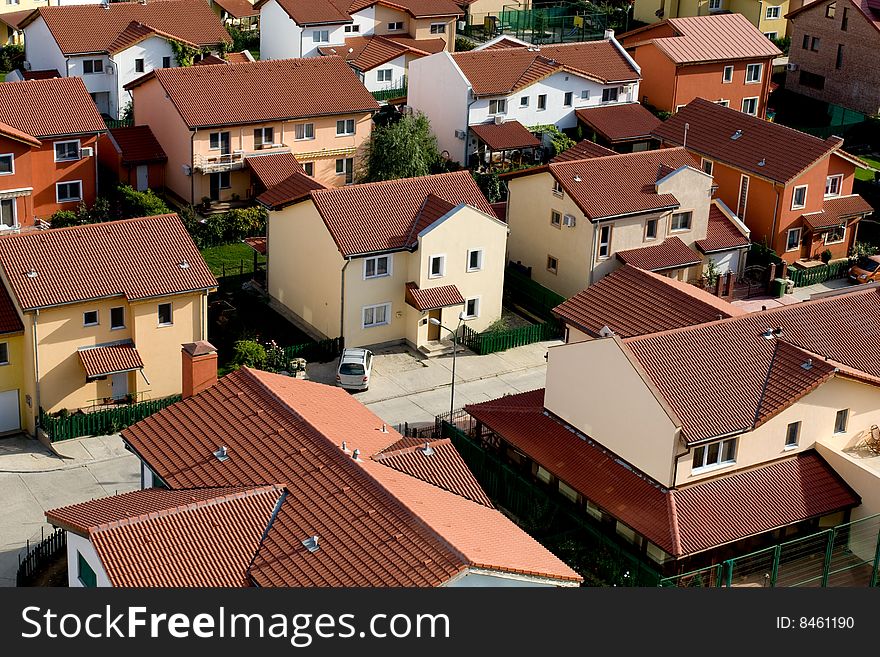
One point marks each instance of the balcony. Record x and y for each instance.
(235, 160)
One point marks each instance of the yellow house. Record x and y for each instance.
(11, 16)
(104, 309)
(769, 17)
(212, 119)
(374, 263)
(12, 402)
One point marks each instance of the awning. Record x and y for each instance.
(112, 359)
(836, 212)
(620, 123)
(433, 297)
(671, 254)
(506, 136)
(258, 244)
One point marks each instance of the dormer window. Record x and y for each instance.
(714, 455)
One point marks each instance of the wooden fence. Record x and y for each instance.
(802, 277)
(490, 342)
(317, 352)
(100, 423)
(41, 554)
(521, 290)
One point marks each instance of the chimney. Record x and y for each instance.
(199, 367)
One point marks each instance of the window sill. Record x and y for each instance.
(165, 325)
(789, 448)
(798, 207)
(117, 328)
(69, 159)
(679, 230)
(369, 326)
(432, 276)
(710, 468)
(471, 271)
(555, 193)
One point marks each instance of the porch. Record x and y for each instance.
(503, 146)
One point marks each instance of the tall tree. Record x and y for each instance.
(404, 148)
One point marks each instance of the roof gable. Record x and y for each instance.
(50, 108)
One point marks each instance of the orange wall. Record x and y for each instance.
(656, 32)
(110, 159)
(838, 165)
(705, 81)
(47, 172)
(657, 87)
(22, 178)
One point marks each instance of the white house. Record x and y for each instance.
(509, 82)
(111, 45)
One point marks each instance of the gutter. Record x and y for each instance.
(36, 371)
(342, 298)
(192, 169)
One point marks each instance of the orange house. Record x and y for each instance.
(48, 149)
(134, 156)
(721, 57)
(793, 190)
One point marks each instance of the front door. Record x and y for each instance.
(224, 143)
(142, 174)
(215, 186)
(433, 329)
(120, 385)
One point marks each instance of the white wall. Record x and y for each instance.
(483, 579)
(398, 70)
(152, 51)
(366, 18)
(76, 544)
(279, 35)
(41, 49)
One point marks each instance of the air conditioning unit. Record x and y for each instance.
(460, 134)
(791, 66)
(88, 151)
(187, 170)
(569, 220)
(26, 66)
(109, 69)
(499, 120)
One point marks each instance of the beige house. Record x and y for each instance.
(574, 221)
(373, 263)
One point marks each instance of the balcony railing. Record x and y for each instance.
(234, 160)
(398, 90)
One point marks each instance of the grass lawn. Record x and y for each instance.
(864, 174)
(231, 256)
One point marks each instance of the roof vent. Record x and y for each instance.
(427, 450)
(807, 364)
(356, 454)
(768, 334)
(222, 453)
(183, 264)
(384, 428)
(576, 178)
(311, 543)
(31, 273)
(777, 331)
(345, 446)
(736, 135)
(762, 162)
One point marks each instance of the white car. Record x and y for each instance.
(354, 368)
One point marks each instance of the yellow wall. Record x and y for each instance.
(863, 479)
(385, 15)
(421, 29)
(754, 11)
(12, 374)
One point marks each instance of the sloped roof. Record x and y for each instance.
(671, 253)
(101, 361)
(869, 9)
(340, 11)
(836, 211)
(8, 131)
(255, 92)
(296, 187)
(238, 8)
(619, 123)
(135, 258)
(631, 301)
(367, 52)
(583, 150)
(94, 28)
(275, 168)
(721, 233)
(50, 108)
(433, 297)
(506, 136)
(137, 145)
(14, 18)
(45, 74)
(10, 322)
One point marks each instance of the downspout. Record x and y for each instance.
(467, 124)
(97, 180)
(36, 369)
(192, 170)
(775, 216)
(342, 299)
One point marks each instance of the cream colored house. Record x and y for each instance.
(373, 263)
(103, 309)
(574, 221)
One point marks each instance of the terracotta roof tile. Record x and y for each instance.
(415, 8)
(239, 57)
(255, 92)
(784, 151)
(429, 46)
(617, 123)
(600, 60)
(721, 233)
(65, 107)
(46, 74)
(134, 33)
(137, 145)
(10, 322)
(238, 8)
(339, 11)
(14, 18)
(101, 361)
(8, 131)
(274, 169)
(366, 53)
(134, 258)
(258, 244)
(501, 43)
(507, 136)
(672, 253)
(836, 211)
(632, 301)
(433, 297)
(583, 150)
(296, 187)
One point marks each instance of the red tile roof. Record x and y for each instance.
(274, 169)
(134, 33)
(296, 187)
(785, 152)
(239, 57)
(258, 244)
(137, 145)
(672, 253)
(713, 395)
(509, 135)
(340, 11)
(583, 150)
(93, 28)
(134, 258)
(14, 18)
(632, 301)
(430, 46)
(10, 322)
(714, 38)
(619, 123)
(238, 8)
(46, 74)
(65, 107)
(681, 521)
(13, 133)
(381, 216)
(503, 42)
(433, 297)
(721, 233)
(255, 92)
(500, 210)
(836, 211)
(366, 53)
(101, 361)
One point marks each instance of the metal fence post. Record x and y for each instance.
(829, 549)
(774, 572)
(874, 573)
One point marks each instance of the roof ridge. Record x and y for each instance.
(388, 183)
(672, 512)
(635, 155)
(765, 385)
(53, 231)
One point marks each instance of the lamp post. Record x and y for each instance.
(436, 322)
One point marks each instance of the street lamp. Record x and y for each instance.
(436, 322)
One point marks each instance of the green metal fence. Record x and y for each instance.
(100, 423)
(845, 555)
(119, 123)
(802, 277)
(318, 352)
(490, 342)
(565, 22)
(521, 290)
(388, 94)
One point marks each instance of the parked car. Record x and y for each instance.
(354, 368)
(866, 270)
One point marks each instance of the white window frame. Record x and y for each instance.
(773, 13)
(554, 215)
(740, 201)
(389, 268)
(11, 157)
(727, 76)
(604, 244)
(67, 141)
(799, 232)
(523, 101)
(374, 323)
(557, 189)
(348, 173)
(585, 94)
(714, 5)
(829, 232)
(220, 175)
(58, 185)
(396, 26)
(542, 102)
(385, 75)
(143, 65)
(750, 98)
(219, 145)
(838, 178)
(170, 314)
(476, 312)
(794, 204)
(479, 267)
(607, 92)
(706, 466)
(351, 28)
(845, 411)
(122, 326)
(308, 168)
(771, 35)
(656, 223)
(797, 435)
(305, 137)
(345, 124)
(500, 105)
(318, 36)
(751, 67)
(14, 202)
(97, 321)
(431, 259)
(552, 270)
(723, 102)
(568, 99)
(93, 71)
(4, 353)
(439, 28)
(690, 224)
(262, 132)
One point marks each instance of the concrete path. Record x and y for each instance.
(799, 294)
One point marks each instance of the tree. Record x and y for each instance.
(401, 149)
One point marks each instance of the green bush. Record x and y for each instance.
(406, 148)
(559, 140)
(862, 249)
(491, 185)
(64, 218)
(462, 44)
(249, 353)
(243, 39)
(133, 203)
(11, 57)
(826, 256)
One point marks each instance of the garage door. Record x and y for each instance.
(9, 418)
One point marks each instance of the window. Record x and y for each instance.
(475, 260)
(743, 199)
(793, 239)
(609, 95)
(524, 101)
(814, 43)
(845, 21)
(7, 164)
(90, 318)
(750, 106)
(165, 316)
(377, 267)
(4, 353)
(304, 131)
(397, 25)
(345, 167)
(585, 94)
(728, 74)
(830, 10)
(117, 318)
(436, 266)
(792, 435)
(604, 242)
(8, 213)
(771, 35)
(264, 137)
(773, 13)
(799, 197)
(352, 28)
(219, 141)
(321, 36)
(472, 308)
(567, 491)
(223, 179)
(378, 315)
(681, 221)
(714, 5)
(498, 106)
(840, 421)
(723, 103)
(707, 166)
(715, 454)
(811, 80)
(567, 99)
(66, 150)
(552, 264)
(384, 74)
(651, 229)
(166, 62)
(85, 573)
(139, 65)
(832, 185)
(555, 218)
(542, 101)
(753, 73)
(806, 43)
(309, 168)
(836, 235)
(557, 188)
(67, 192)
(438, 28)
(838, 63)
(345, 127)
(93, 66)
